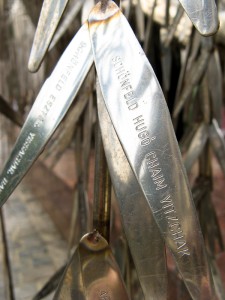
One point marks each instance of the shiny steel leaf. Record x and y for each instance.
(173, 27)
(141, 119)
(215, 82)
(203, 15)
(86, 8)
(143, 236)
(50, 16)
(65, 132)
(187, 137)
(66, 23)
(50, 106)
(218, 143)
(92, 273)
(194, 77)
(196, 146)
(201, 188)
(140, 22)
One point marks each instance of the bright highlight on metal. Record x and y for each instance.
(50, 16)
(203, 14)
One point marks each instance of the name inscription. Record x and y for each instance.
(43, 113)
(131, 100)
(63, 78)
(152, 161)
(168, 208)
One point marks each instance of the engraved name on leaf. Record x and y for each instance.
(57, 88)
(151, 159)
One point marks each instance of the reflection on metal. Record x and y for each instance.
(197, 144)
(65, 23)
(139, 225)
(51, 13)
(65, 131)
(201, 188)
(140, 22)
(197, 70)
(102, 192)
(92, 273)
(86, 8)
(173, 27)
(203, 15)
(80, 215)
(214, 74)
(141, 119)
(52, 103)
(218, 143)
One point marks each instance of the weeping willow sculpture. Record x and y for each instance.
(127, 106)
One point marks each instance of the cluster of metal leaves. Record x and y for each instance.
(190, 69)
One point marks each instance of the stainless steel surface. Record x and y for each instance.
(172, 29)
(141, 119)
(140, 22)
(65, 23)
(50, 16)
(50, 106)
(143, 236)
(197, 144)
(102, 189)
(218, 144)
(214, 74)
(194, 76)
(86, 8)
(203, 15)
(92, 273)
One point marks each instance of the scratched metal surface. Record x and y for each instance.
(141, 119)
